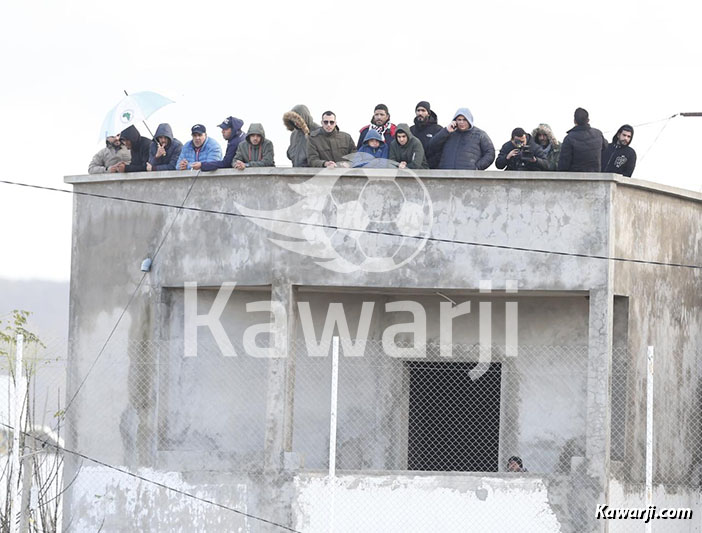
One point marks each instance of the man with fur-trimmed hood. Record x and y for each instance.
(619, 157)
(544, 137)
(299, 121)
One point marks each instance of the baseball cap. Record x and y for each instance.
(198, 128)
(226, 124)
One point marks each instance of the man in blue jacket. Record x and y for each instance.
(231, 131)
(461, 145)
(165, 149)
(200, 150)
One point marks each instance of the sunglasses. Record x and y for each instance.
(328, 122)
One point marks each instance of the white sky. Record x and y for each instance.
(65, 65)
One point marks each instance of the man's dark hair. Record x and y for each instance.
(517, 460)
(582, 117)
(518, 132)
(625, 127)
(327, 113)
(383, 107)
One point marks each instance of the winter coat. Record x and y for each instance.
(619, 159)
(260, 155)
(232, 144)
(368, 155)
(299, 121)
(209, 151)
(466, 150)
(323, 147)
(553, 150)
(516, 162)
(582, 150)
(168, 161)
(411, 153)
(139, 151)
(107, 157)
(425, 131)
(389, 135)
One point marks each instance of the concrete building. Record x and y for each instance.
(239, 416)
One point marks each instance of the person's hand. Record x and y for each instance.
(149, 168)
(513, 153)
(451, 127)
(121, 167)
(160, 151)
(196, 166)
(183, 164)
(113, 168)
(403, 164)
(344, 164)
(239, 165)
(330, 164)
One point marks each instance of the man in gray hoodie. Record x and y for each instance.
(255, 151)
(461, 145)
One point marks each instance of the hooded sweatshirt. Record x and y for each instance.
(367, 155)
(140, 149)
(411, 153)
(168, 161)
(260, 155)
(553, 150)
(299, 121)
(108, 156)
(425, 131)
(232, 145)
(467, 150)
(617, 158)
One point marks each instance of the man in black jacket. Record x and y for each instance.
(138, 146)
(521, 153)
(425, 127)
(583, 147)
(620, 157)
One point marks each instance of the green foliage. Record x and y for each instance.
(8, 336)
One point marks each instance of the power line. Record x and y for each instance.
(368, 231)
(58, 447)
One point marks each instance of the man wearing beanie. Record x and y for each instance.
(380, 123)
(425, 127)
(620, 157)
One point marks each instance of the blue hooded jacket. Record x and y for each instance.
(209, 151)
(168, 161)
(237, 136)
(366, 155)
(470, 150)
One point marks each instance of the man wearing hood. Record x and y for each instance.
(327, 146)
(406, 149)
(620, 157)
(139, 149)
(200, 149)
(425, 127)
(164, 150)
(373, 153)
(255, 151)
(583, 147)
(109, 158)
(380, 123)
(232, 133)
(299, 121)
(544, 137)
(461, 145)
(521, 153)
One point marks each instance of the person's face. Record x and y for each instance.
(462, 123)
(519, 141)
(255, 139)
(227, 133)
(162, 140)
(127, 143)
(380, 117)
(199, 139)
(328, 123)
(374, 143)
(513, 466)
(401, 138)
(542, 139)
(624, 138)
(114, 140)
(422, 113)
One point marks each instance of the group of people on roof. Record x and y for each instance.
(381, 144)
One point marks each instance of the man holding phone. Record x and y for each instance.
(461, 145)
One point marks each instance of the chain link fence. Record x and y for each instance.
(160, 441)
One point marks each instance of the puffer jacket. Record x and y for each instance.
(425, 131)
(466, 150)
(334, 146)
(299, 121)
(516, 162)
(107, 157)
(553, 150)
(140, 149)
(232, 144)
(582, 150)
(411, 153)
(368, 155)
(209, 151)
(168, 161)
(260, 155)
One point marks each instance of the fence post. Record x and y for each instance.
(17, 401)
(649, 434)
(334, 394)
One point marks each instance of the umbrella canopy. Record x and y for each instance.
(131, 110)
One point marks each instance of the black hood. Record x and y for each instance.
(164, 130)
(130, 134)
(624, 127)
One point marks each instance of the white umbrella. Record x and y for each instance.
(130, 110)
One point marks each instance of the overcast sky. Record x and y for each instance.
(65, 65)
